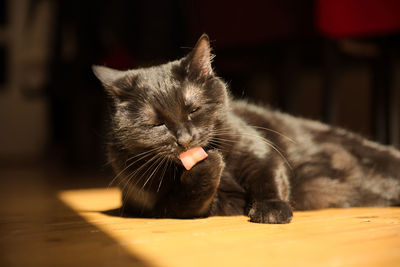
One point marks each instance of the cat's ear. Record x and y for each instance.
(108, 78)
(199, 60)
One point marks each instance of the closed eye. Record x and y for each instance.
(158, 124)
(194, 110)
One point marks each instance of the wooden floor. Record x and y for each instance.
(76, 227)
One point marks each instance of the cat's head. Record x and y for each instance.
(171, 107)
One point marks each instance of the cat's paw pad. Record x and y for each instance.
(270, 211)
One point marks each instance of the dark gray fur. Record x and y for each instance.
(261, 163)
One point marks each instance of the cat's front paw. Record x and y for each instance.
(207, 171)
(270, 211)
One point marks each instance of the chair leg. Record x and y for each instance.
(330, 75)
(381, 97)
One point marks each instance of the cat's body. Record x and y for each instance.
(261, 162)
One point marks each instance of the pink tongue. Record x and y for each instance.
(192, 156)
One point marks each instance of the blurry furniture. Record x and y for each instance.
(364, 30)
(25, 41)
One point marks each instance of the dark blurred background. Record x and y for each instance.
(335, 61)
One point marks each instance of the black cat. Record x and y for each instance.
(261, 162)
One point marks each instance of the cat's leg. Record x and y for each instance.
(379, 184)
(366, 175)
(269, 190)
(197, 188)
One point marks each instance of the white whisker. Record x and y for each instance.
(143, 156)
(166, 166)
(273, 131)
(217, 136)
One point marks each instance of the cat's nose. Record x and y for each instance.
(184, 140)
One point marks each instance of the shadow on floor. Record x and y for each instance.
(37, 229)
